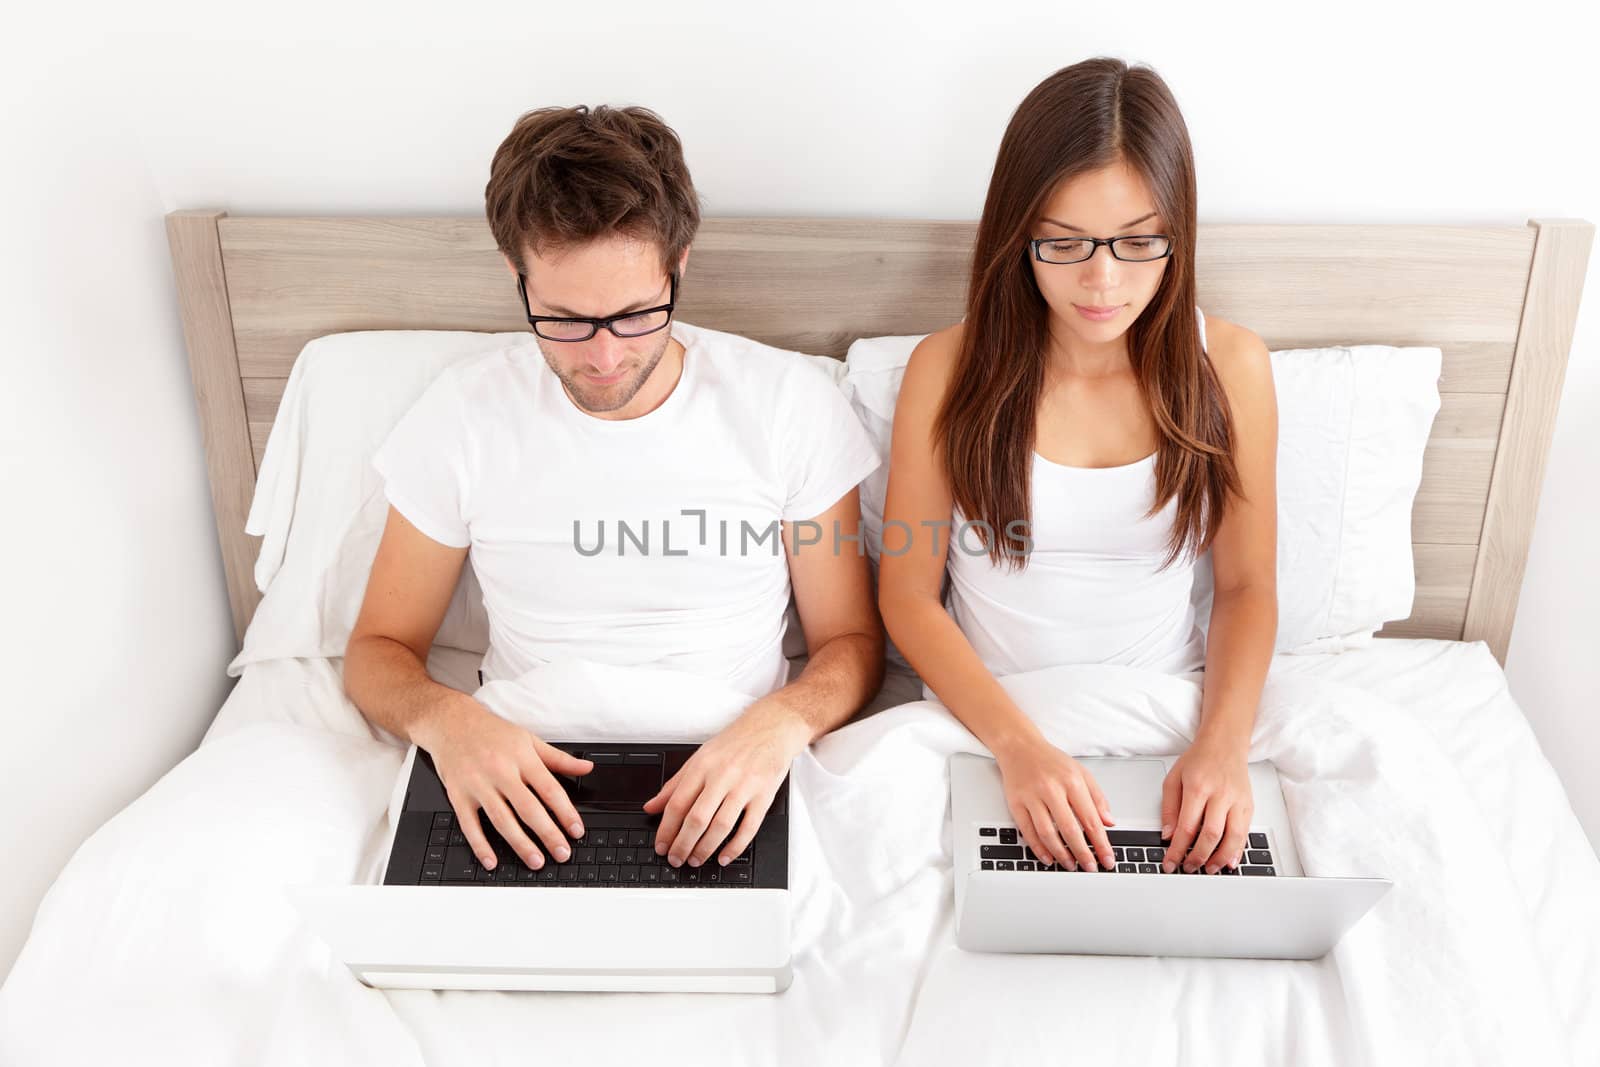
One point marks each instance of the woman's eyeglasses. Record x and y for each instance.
(1138, 249)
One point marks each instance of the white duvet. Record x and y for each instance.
(169, 939)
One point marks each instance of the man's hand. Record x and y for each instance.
(736, 772)
(485, 761)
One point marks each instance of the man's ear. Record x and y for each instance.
(683, 265)
(510, 266)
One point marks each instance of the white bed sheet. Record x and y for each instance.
(924, 1010)
(1180, 1011)
(1456, 689)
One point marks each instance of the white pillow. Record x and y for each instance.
(320, 506)
(1352, 425)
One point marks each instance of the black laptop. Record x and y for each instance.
(618, 845)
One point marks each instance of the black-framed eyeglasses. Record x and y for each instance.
(628, 324)
(1140, 248)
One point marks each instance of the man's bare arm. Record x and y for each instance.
(413, 578)
(483, 760)
(738, 771)
(844, 635)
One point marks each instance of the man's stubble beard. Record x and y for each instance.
(576, 387)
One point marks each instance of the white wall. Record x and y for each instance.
(118, 629)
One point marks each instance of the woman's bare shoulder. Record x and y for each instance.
(1239, 356)
(933, 361)
(1243, 366)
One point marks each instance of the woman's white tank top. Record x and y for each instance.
(1092, 590)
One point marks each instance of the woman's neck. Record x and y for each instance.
(1069, 356)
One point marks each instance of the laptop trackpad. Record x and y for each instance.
(1132, 788)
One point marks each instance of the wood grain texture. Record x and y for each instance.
(1444, 579)
(214, 368)
(815, 285)
(1448, 508)
(1549, 315)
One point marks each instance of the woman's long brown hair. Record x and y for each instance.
(1081, 118)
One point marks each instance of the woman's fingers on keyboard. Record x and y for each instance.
(1205, 844)
(1095, 849)
(1031, 835)
(1231, 847)
(1171, 801)
(1076, 851)
(1101, 805)
(1048, 828)
(1191, 810)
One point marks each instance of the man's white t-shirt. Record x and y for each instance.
(586, 534)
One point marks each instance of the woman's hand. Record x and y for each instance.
(1057, 805)
(1206, 807)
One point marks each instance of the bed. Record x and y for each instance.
(170, 929)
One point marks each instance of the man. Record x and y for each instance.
(622, 499)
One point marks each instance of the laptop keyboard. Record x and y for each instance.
(605, 857)
(1000, 848)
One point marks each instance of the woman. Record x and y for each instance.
(1089, 433)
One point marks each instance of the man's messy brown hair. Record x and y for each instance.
(568, 175)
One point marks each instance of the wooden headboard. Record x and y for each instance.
(1500, 301)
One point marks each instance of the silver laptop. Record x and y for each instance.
(614, 916)
(1008, 901)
